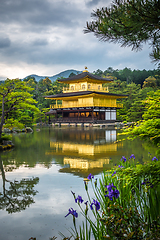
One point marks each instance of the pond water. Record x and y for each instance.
(38, 175)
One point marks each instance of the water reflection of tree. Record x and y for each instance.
(19, 194)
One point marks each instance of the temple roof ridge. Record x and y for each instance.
(83, 75)
(71, 94)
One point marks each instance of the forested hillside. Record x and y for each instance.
(128, 75)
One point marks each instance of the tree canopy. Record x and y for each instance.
(149, 128)
(130, 23)
(15, 100)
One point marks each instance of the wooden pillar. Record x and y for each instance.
(92, 115)
(56, 115)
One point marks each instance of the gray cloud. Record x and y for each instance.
(93, 2)
(40, 42)
(38, 12)
(50, 33)
(5, 42)
(98, 3)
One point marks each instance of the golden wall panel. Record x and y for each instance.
(85, 101)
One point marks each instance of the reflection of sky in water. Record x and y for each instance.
(45, 218)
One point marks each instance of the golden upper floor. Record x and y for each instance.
(85, 81)
(84, 86)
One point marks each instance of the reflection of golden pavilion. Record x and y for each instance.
(84, 163)
(85, 151)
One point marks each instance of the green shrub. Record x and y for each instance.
(6, 137)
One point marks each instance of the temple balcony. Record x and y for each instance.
(77, 105)
(78, 89)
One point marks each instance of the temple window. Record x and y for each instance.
(89, 86)
(99, 87)
(72, 87)
(83, 86)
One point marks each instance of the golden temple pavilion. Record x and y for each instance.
(85, 100)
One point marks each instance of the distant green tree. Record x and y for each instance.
(40, 116)
(58, 87)
(150, 82)
(47, 83)
(28, 78)
(72, 74)
(126, 75)
(98, 72)
(130, 23)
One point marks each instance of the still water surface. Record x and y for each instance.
(37, 177)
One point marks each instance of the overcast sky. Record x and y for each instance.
(45, 37)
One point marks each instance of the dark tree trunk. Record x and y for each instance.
(3, 175)
(2, 118)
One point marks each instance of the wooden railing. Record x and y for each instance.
(80, 120)
(57, 106)
(102, 89)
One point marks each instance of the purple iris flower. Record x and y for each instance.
(90, 176)
(109, 187)
(143, 183)
(109, 195)
(148, 183)
(115, 193)
(123, 159)
(132, 156)
(120, 166)
(72, 212)
(112, 192)
(113, 173)
(96, 203)
(154, 158)
(79, 199)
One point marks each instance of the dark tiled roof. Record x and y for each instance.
(83, 93)
(83, 75)
(51, 112)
